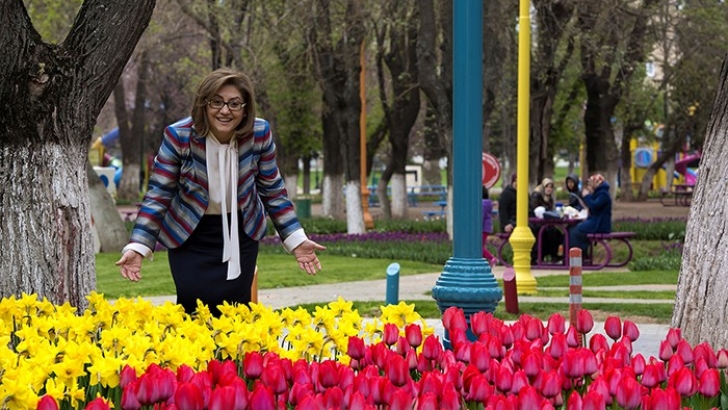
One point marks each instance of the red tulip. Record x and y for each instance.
(184, 373)
(458, 338)
(613, 327)
(222, 398)
(709, 384)
(574, 402)
(531, 362)
(584, 321)
(355, 402)
(594, 400)
(356, 348)
(674, 335)
(204, 383)
(674, 364)
(432, 349)
(598, 388)
(685, 352)
(188, 396)
(480, 356)
(480, 389)
(558, 346)
(390, 334)
(328, 374)
(400, 400)
(167, 382)
(397, 370)
(598, 342)
(630, 330)
(504, 379)
(706, 351)
(252, 365)
(274, 378)
(700, 366)
(573, 338)
(629, 393)
(495, 348)
(403, 346)
(241, 394)
(261, 397)
(665, 352)
(148, 389)
(413, 333)
(380, 354)
(309, 403)
(651, 375)
(638, 364)
(129, 399)
(659, 399)
(684, 382)
(47, 403)
(412, 359)
(480, 323)
(450, 399)
(454, 318)
(127, 375)
(520, 380)
(551, 385)
(572, 364)
(506, 336)
(556, 324)
(427, 401)
(334, 398)
(97, 404)
(528, 398)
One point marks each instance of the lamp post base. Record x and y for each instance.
(467, 284)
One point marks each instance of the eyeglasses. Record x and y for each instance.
(232, 105)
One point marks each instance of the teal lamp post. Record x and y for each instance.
(467, 281)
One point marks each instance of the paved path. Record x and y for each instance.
(418, 287)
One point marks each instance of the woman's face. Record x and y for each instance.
(223, 120)
(570, 184)
(548, 189)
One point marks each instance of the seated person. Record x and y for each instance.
(507, 207)
(572, 187)
(543, 196)
(599, 202)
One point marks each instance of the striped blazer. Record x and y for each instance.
(178, 194)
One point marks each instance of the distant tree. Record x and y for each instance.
(700, 308)
(50, 96)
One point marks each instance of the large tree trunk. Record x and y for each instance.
(700, 304)
(50, 97)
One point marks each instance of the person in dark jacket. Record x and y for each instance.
(599, 202)
(507, 207)
(487, 206)
(572, 187)
(551, 238)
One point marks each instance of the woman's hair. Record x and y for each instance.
(485, 192)
(210, 86)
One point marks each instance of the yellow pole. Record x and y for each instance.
(522, 239)
(368, 221)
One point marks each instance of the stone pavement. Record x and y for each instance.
(418, 287)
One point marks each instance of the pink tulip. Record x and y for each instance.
(700, 366)
(534, 328)
(495, 348)
(613, 327)
(48, 403)
(572, 364)
(450, 399)
(252, 365)
(630, 330)
(402, 346)
(454, 318)
(674, 364)
(659, 399)
(309, 403)
(127, 375)
(390, 334)
(97, 404)
(479, 390)
(573, 338)
(333, 398)
(480, 323)
(148, 389)
(584, 321)
(556, 324)
(188, 396)
(504, 379)
(427, 401)
(722, 359)
(531, 362)
(520, 381)
(397, 370)
(400, 400)
(638, 364)
(551, 385)
(598, 388)
(628, 393)
(684, 382)
(709, 384)
(222, 398)
(506, 336)
(274, 378)
(598, 342)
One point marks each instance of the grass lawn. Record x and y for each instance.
(276, 271)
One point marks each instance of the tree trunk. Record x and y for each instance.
(50, 97)
(700, 304)
(109, 226)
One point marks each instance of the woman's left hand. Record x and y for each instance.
(306, 257)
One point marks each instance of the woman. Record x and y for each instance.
(214, 179)
(551, 238)
(487, 206)
(572, 187)
(599, 202)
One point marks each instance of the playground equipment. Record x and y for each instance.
(685, 173)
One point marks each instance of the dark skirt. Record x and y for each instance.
(198, 270)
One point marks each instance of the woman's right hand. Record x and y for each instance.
(131, 265)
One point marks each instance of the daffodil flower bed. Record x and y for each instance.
(132, 355)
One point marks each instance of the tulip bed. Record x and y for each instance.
(132, 355)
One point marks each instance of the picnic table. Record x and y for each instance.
(678, 195)
(600, 254)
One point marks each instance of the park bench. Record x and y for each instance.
(678, 195)
(601, 253)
